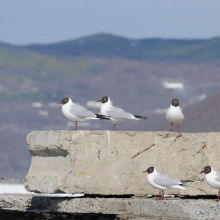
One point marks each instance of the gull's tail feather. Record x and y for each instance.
(143, 117)
(179, 186)
(103, 117)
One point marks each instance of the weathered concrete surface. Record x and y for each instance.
(126, 208)
(107, 162)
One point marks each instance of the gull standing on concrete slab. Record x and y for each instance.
(116, 114)
(175, 114)
(212, 178)
(162, 182)
(76, 112)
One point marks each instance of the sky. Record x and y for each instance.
(47, 21)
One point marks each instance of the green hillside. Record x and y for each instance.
(17, 64)
(20, 69)
(106, 45)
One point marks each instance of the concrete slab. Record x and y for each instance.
(111, 163)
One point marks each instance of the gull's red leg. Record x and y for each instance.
(178, 128)
(114, 126)
(171, 126)
(159, 196)
(76, 126)
(163, 195)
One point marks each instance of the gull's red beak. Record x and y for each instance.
(202, 171)
(58, 102)
(144, 171)
(98, 101)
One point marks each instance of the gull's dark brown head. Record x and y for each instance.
(149, 170)
(104, 99)
(206, 170)
(64, 101)
(175, 102)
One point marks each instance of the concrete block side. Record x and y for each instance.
(111, 163)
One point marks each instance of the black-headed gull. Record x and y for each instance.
(162, 182)
(175, 114)
(212, 178)
(116, 114)
(76, 112)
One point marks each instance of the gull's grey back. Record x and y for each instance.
(81, 112)
(166, 181)
(218, 175)
(118, 113)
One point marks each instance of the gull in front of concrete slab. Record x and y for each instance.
(75, 112)
(175, 114)
(212, 177)
(116, 114)
(163, 182)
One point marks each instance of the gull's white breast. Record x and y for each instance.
(210, 179)
(104, 108)
(174, 114)
(66, 111)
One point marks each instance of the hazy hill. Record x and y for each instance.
(107, 45)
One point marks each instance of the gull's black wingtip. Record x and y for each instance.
(103, 117)
(142, 117)
(186, 181)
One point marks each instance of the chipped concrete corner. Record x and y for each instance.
(111, 163)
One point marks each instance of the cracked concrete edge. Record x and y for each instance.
(166, 209)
